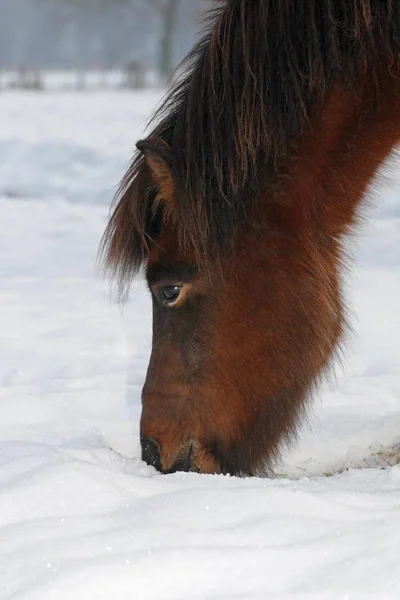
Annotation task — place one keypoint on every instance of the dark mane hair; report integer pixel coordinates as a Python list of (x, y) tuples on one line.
[(249, 91)]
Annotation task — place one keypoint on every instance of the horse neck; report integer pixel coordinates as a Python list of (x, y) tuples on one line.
[(338, 158)]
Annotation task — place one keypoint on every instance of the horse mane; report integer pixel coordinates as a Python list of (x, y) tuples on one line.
[(249, 91)]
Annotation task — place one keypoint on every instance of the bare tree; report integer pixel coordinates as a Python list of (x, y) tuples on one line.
[(168, 11), (163, 13)]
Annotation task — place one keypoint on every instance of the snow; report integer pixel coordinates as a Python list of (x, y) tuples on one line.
[(80, 515)]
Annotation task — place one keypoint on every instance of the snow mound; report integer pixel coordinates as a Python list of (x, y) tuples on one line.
[(80, 515)]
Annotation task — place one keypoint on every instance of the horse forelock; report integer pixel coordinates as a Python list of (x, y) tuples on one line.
[(250, 89)]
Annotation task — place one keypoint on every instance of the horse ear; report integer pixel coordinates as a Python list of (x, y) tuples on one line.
[(158, 156)]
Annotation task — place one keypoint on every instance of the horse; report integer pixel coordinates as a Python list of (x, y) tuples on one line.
[(237, 207)]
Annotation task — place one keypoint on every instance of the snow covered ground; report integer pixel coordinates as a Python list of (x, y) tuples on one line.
[(80, 515)]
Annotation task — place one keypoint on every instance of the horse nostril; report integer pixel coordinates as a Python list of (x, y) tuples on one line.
[(151, 453)]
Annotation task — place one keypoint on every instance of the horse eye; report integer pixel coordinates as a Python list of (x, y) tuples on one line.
[(170, 294)]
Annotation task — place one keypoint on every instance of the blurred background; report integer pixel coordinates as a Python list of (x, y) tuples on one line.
[(79, 80), (86, 44)]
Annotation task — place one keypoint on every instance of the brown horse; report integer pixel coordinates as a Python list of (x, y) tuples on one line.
[(237, 205)]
